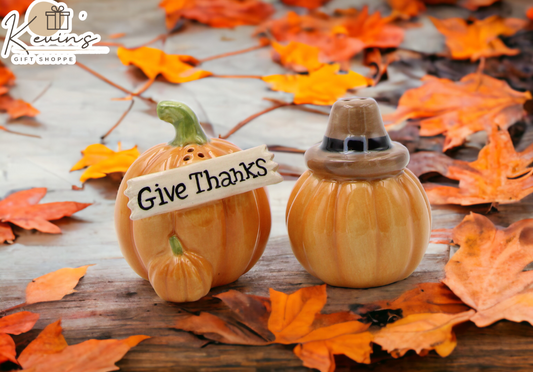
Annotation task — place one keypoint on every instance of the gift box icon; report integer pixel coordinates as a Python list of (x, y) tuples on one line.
[(56, 17)]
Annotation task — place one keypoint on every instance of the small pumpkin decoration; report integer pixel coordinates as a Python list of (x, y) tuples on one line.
[(185, 253), (358, 217)]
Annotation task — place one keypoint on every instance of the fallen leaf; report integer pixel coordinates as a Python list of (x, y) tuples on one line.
[(247, 326), (487, 270), (8, 350), (529, 13), (499, 175), (175, 68), (101, 161), (321, 87), (468, 4), (55, 285), (378, 63), (50, 352), (7, 6), (297, 56), (320, 354), (480, 38), (18, 323), (21, 209), (309, 4), (339, 37), (459, 109), (217, 13), (17, 108), (425, 298), (421, 333), (406, 9)]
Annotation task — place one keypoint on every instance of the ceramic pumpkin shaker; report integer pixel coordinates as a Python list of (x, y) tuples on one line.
[(358, 217), (185, 253)]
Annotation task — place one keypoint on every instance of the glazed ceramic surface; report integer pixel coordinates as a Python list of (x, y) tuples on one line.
[(358, 218), (185, 253)]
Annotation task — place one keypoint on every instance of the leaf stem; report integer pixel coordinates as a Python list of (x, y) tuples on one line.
[(118, 122), (250, 118), (18, 133), (229, 54), (14, 307)]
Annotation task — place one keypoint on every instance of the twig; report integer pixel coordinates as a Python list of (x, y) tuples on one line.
[(103, 78), (278, 148), (144, 88), (479, 72), (229, 54), (19, 133), (162, 37), (42, 93), (109, 43), (14, 307), (298, 107), (250, 118), (238, 76), (118, 122)]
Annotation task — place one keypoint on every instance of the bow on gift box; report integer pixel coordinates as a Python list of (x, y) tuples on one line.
[(54, 18)]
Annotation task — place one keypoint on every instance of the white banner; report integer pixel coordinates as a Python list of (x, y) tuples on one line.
[(201, 182)]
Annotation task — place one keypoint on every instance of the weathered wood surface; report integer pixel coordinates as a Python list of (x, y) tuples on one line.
[(112, 302)]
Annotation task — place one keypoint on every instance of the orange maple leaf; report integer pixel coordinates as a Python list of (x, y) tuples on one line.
[(217, 13), (457, 109), (102, 161), (425, 298), (499, 175), (297, 56), (55, 285), (487, 270), (50, 352), (339, 37), (406, 9), (309, 4), (421, 333), (529, 13), (14, 324), (175, 68), (321, 87), (480, 38), (21, 209), (15, 108), (8, 5)]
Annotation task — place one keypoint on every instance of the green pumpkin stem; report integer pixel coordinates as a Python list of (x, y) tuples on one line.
[(175, 245), (184, 120)]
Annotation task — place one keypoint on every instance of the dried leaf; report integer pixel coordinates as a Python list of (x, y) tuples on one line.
[(480, 38), (320, 354), (101, 161), (487, 270), (296, 318), (19, 5), (247, 327), (378, 63), (529, 13), (18, 323), (217, 13), (297, 56), (16, 108), (458, 109), (499, 175), (425, 298), (406, 9), (55, 285), (175, 68), (21, 209), (339, 37), (421, 333), (8, 350), (50, 352), (309, 4), (320, 87)]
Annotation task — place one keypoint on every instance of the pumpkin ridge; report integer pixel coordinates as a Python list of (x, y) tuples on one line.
[(411, 207)]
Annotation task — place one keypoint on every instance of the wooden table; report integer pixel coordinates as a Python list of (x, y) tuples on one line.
[(112, 302)]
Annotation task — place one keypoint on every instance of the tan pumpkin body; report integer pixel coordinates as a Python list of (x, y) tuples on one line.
[(359, 233), (221, 240)]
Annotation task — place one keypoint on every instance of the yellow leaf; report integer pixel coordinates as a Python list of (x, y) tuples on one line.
[(297, 56), (321, 87), (101, 161)]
